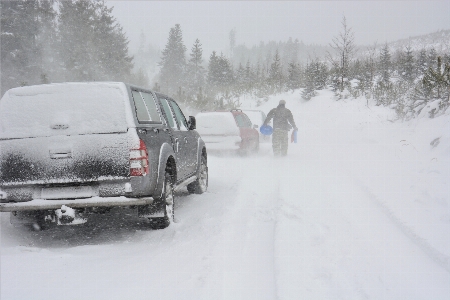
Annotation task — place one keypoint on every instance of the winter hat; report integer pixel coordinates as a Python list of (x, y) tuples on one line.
[(282, 102)]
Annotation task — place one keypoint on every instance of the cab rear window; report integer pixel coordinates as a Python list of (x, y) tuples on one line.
[(146, 110), (243, 121)]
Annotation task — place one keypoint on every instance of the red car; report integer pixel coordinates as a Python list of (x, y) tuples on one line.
[(228, 131)]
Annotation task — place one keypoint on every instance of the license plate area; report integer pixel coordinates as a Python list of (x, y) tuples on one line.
[(69, 192)]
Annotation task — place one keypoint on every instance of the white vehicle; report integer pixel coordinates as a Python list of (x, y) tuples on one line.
[(228, 131)]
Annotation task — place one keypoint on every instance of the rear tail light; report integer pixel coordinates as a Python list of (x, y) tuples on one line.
[(139, 160)]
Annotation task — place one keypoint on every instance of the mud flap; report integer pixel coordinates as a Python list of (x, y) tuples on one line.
[(154, 210)]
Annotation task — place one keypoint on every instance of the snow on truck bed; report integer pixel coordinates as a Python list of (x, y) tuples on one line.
[(71, 108)]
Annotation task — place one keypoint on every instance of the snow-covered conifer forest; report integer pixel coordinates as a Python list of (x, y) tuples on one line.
[(359, 208)]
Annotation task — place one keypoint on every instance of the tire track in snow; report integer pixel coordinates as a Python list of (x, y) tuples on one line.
[(439, 258), (278, 212), (241, 251)]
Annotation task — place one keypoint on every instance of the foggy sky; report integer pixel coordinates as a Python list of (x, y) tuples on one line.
[(254, 21)]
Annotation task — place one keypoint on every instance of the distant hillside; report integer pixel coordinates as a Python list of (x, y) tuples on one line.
[(264, 52), (439, 40)]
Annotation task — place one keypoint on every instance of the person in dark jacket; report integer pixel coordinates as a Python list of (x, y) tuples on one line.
[(283, 121)]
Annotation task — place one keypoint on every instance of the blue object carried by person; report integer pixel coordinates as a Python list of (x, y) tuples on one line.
[(266, 129), (294, 136)]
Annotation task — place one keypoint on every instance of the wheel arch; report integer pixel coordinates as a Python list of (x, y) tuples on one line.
[(167, 162)]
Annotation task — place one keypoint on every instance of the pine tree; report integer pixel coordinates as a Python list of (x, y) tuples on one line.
[(293, 80), (422, 63), (432, 57), (226, 77), (310, 84), (320, 72), (437, 80), (220, 73), (249, 76), (276, 73), (47, 40), (78, 41), (240, 79), (344, 48), (365, 77), (20, 53), (196, 71), (316, 74), (213, 69), (93, 45), (407, 68), (173, 61), (385, 65), (446, 59), (75, 26), (383, 90), (112, 51)]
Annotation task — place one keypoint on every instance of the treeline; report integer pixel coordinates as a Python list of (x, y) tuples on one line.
[(221, 84), (45, 41), (405, 80), (61, 40)]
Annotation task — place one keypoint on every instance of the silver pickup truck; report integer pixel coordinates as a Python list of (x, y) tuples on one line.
[(72, 149)]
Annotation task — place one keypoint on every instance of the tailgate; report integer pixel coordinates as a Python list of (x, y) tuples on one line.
[(64, 159)]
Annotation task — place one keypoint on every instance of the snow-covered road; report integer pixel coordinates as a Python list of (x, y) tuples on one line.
[(359, 209)]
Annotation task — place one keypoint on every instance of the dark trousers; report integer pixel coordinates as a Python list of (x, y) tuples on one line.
[(280, 142)]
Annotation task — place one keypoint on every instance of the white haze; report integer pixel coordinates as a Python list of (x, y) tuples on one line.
[(313, 22)]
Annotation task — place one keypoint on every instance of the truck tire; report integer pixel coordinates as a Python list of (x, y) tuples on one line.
[(200, 185), (168, 203)]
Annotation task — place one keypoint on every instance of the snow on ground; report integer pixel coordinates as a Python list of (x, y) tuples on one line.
[(359, 209)]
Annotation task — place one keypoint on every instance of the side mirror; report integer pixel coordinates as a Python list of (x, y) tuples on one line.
[(192, 123)]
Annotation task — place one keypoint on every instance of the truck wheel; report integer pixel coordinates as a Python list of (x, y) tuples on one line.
[(167, 202), (200, 185)]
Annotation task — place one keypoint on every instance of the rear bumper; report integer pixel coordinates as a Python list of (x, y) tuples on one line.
[(40, 204), (132, 187)]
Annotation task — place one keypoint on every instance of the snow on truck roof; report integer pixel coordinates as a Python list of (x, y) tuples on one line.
[(65, 108)]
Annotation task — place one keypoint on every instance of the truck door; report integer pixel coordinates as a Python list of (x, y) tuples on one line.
[(178, 139), (189, 139)]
